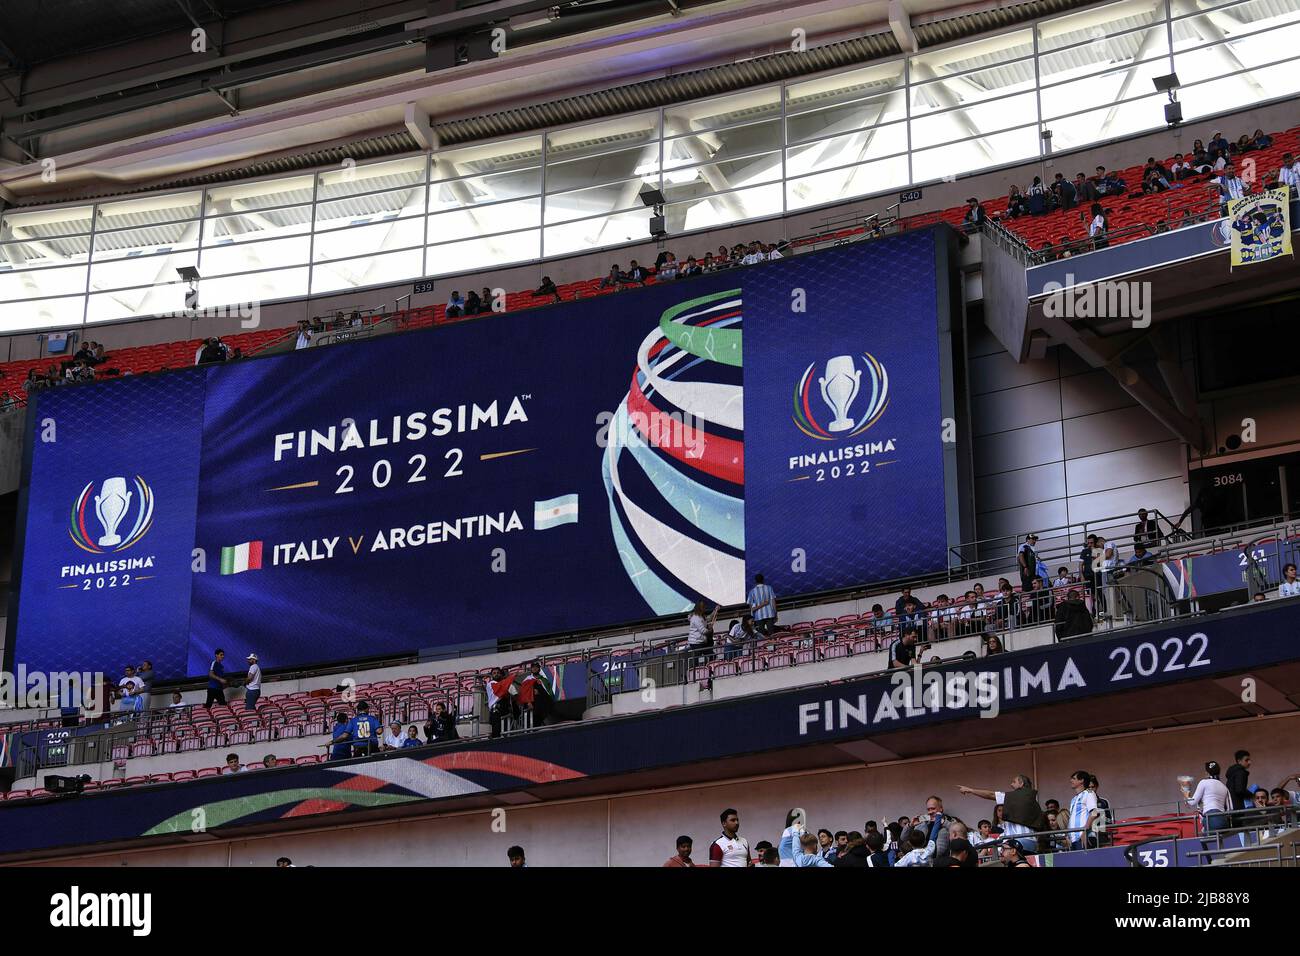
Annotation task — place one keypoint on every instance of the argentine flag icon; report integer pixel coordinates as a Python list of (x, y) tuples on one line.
[(554, 512)]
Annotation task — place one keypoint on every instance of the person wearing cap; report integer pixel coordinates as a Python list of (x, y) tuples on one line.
[(1027, 559), (1011, 854), (683, 855), (252, 683)]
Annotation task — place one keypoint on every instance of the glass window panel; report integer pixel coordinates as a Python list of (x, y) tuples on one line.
[(602, 152), (35, 283), (380, 237), (481, 159), (1231, 17), (224, 230), (149, 210), (860, 180), (1229, 93), (485, 189), (1095, 23), (1150, 46), (971, 88), (367, 271), (836, 104), (581, 203), (41, 314), (44, 223), (484, 220), (474, 254), (372, 177), (45, 253), (739, 141), (956, 158), (125, 243), (1101, 90), (140, 271), (842, 150), (680, 184), (1116, 119), (642, 161), (374, 207), (631, 226), (981, 119), (253, 287), (263, 194), (987, 52), (250, 256), (136, 303), (725, 208), (1229, 57), (722, 111)]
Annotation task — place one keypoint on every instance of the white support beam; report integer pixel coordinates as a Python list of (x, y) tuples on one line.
[(900, 22), (420, 125)]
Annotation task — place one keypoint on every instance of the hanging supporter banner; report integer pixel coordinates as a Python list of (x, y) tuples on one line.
[(1261, 227)]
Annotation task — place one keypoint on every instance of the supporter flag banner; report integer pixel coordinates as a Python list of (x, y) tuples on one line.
[(1261, 226), (594, 463)]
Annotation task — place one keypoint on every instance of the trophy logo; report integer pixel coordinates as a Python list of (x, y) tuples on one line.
[(840, 387), (114, 505), (845, 381), (111, 504)]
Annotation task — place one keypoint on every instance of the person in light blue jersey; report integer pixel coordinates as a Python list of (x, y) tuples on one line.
[(762, 605)]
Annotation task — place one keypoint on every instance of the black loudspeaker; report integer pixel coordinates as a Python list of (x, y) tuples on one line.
[(1173, 113), (658, 227), (443, 53), (65, 785)]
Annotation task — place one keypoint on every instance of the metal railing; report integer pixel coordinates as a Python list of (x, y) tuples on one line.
[(673, 661)]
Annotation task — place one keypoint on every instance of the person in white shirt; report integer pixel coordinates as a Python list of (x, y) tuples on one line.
[(1011, 829), (920, 850), (304, 335), (1097, 228), (1083, 811), (177, 701), (943, 618), (773, 253), (252, 683), (730, 849), (753, 256), (1290, 587), (699, 635), (740, 634), (1211, 797), (1289, 174), (393, 736), (1230, 186), (232, 764)]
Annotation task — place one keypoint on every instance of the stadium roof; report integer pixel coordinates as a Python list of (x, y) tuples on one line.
[(299, 95)]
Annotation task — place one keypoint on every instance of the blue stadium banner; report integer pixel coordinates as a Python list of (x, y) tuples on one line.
[(584, 465)]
